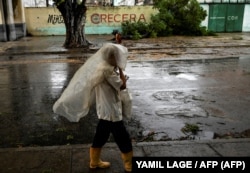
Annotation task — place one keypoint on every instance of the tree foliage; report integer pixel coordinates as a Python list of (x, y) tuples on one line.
[(175, 17), (135, 30), (180, 17), (74, 16)]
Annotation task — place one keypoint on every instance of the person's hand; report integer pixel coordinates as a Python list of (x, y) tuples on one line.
[(123, 78), (126, 77)]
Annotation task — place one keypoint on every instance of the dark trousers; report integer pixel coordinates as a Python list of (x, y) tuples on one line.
[(120, 134)]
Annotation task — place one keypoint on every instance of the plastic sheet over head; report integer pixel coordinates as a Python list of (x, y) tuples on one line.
[(77, 98), (120, 52)]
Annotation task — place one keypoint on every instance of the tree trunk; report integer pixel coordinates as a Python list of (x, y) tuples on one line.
[(74, 16)]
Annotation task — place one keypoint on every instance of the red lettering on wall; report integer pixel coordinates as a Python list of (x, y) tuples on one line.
[(142, 17), (124, 17), (117, 18), (95, 18), (110, 18), (103, 17), (132, 17)]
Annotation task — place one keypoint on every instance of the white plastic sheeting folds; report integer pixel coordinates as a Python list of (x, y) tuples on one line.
[(76, 99)]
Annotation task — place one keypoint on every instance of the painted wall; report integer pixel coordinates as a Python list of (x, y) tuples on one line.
[(246, 21), (206, 8), (19, 19), (1, 15), (12, 20), (103, 20), (3, 34), (100, 20)]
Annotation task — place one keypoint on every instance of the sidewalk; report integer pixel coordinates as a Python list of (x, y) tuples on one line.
[(75, 158), (235, 44)]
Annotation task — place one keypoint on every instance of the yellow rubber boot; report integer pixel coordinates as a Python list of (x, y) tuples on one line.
[(95, 161), (127, 161)]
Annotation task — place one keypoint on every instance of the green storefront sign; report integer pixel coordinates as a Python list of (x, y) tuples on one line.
[(226, 17)]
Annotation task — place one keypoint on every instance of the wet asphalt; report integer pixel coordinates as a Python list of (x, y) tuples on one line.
[(168, 94), (211, 93)]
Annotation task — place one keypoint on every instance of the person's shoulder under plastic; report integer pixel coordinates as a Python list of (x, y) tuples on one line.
[(76, 99)]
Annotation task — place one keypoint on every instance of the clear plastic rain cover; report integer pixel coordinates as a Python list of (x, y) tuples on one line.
[(77, 98)]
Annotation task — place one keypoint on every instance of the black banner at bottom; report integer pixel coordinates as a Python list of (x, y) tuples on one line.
[(194, 164)]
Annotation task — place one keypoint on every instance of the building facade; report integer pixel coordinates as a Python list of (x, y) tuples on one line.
[(12, 20)]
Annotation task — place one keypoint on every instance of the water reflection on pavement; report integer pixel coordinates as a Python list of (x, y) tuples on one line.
[(214, 94)]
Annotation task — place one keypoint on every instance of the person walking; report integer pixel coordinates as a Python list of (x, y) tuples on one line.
[(102, 75), (109, 111)]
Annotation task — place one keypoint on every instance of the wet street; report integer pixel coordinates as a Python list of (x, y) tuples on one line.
[(212, 94)]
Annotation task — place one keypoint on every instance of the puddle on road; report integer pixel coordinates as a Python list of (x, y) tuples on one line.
[(186, 111), (187, 76), (176, 105), (179, 104)]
